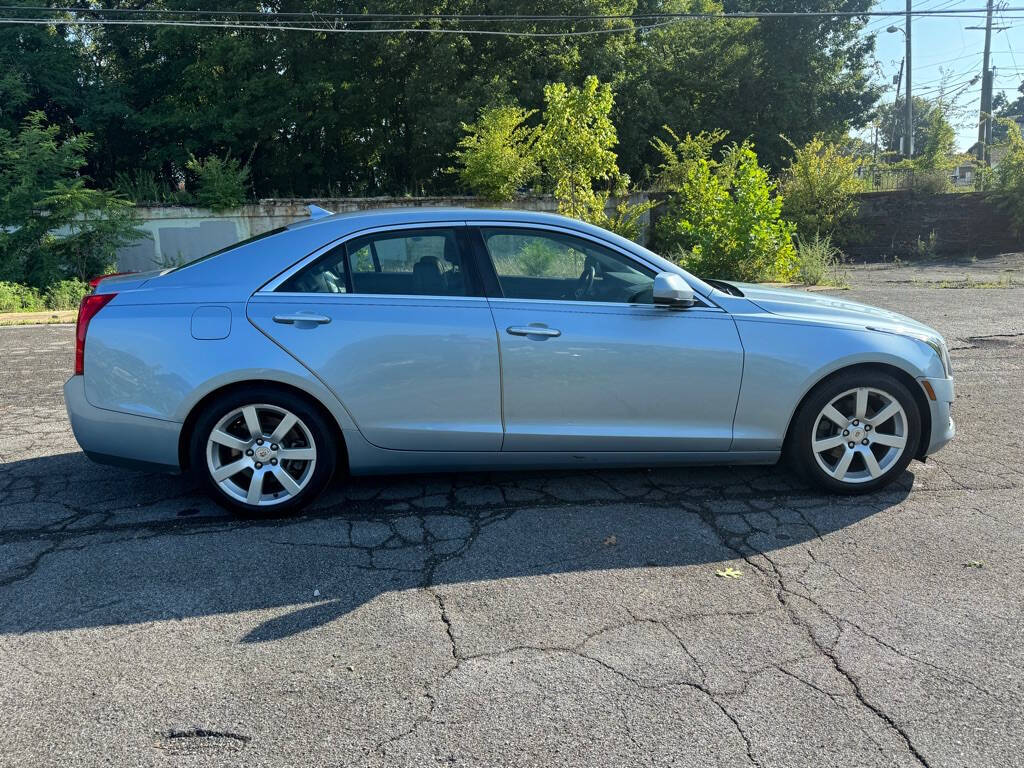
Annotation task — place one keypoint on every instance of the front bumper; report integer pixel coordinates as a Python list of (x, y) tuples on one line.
[(943, 426), (122, 439)]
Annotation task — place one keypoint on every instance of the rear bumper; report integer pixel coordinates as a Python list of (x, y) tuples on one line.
[(943, 426), (122, 439)]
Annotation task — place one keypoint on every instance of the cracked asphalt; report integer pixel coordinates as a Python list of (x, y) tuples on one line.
[(541, 619)]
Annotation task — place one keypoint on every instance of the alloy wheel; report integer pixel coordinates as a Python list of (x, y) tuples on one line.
[(859, 435), (261, 454)]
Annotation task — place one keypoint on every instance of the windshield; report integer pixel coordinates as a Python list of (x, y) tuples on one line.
[(231, 247)]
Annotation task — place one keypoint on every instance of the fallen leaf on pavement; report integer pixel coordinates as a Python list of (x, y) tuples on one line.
[(729, 573)]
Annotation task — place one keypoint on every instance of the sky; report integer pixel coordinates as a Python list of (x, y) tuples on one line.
[(942, 47)]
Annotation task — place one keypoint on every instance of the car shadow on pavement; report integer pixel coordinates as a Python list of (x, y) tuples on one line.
[(84, 546)]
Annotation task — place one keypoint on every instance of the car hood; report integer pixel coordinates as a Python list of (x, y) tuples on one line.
[(821, 307)]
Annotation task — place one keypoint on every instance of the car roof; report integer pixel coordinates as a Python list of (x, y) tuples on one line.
[(373, 217)]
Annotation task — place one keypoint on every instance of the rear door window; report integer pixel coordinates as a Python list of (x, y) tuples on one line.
[(414, 262)]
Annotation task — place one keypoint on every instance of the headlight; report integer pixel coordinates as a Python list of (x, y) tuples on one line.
[(939, 346), (936, 342)]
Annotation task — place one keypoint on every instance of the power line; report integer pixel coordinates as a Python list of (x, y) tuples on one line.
[(329, 30), (941, 12)]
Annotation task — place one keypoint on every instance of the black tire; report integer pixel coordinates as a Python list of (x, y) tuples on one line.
[(316, 429), (805, 429)]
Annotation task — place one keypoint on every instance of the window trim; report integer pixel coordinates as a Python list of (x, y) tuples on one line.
[(463, 237), (492, 282)]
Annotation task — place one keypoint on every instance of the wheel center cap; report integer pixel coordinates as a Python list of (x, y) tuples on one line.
[(858, 434), (262, 452)]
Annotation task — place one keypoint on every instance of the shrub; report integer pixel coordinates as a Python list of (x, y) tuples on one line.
[(15, 297), (497, 156), (818, 262), (52, 225), (931, 181), (65, 294), (220, 182), (723, 216), (818, 188), (1008, 178), (145, 188)]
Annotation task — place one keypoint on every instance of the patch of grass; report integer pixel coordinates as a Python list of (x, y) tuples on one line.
[(968, 282), (818, 262)]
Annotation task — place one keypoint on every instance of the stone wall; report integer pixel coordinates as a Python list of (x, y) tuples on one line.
[(893, 223)]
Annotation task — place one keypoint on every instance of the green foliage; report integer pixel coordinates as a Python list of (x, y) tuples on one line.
[(497, 156), (144, 187), (65, 294), (818, 262), (52, 225), (818, 188), (1008, 182), (937, 149), (723, 217), (934, 140), (220, 182), (61, 295), (576, 147), (15, 297), (380, 114)]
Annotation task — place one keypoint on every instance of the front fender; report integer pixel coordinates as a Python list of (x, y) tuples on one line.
[(784, 360)]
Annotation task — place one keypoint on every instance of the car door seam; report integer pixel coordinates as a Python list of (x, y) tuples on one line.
[(739, 389), (294, 357)]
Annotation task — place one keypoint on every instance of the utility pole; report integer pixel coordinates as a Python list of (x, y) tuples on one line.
[(896, 101), (985, 119), (909, 106)]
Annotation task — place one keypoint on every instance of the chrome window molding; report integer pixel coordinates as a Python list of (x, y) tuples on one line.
[(502, 224), (271, 285)]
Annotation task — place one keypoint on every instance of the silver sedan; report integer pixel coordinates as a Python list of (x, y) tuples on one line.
[(444, 339)]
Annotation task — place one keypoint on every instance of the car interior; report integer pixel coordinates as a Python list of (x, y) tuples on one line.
[(528, 264)]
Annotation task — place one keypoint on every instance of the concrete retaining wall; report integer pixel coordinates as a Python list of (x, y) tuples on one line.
[(890, 223), (179, 234)]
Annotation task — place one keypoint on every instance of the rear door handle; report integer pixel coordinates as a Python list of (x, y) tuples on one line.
[(301, 317), (532, 330)]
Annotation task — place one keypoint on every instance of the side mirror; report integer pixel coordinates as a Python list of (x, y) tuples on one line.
[(670, 290)]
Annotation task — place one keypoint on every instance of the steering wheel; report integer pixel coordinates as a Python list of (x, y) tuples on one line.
[(585, 282)]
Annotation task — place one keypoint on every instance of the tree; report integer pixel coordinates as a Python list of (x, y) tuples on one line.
[(805, 75), (1008, 186), (931, 127), (52, 225), (498, 156), (575, 147)]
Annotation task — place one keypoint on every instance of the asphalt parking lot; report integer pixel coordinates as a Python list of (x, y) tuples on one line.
[(527, 619)]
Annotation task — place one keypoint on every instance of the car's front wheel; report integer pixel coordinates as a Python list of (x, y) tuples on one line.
[(855, 432), (261, 451)]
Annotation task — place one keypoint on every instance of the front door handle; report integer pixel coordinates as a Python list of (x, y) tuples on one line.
[(301, 317), (532, 330)]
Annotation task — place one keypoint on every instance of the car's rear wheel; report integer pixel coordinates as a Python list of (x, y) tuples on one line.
[(263, 452), (855, 432)]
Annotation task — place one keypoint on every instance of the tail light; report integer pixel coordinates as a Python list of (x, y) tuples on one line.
[(91, 304)]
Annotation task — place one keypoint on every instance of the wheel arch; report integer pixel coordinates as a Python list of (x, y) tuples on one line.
[(896, 372), (185, 437)]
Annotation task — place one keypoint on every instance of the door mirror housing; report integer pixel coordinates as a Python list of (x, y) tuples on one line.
[(670, 290)]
